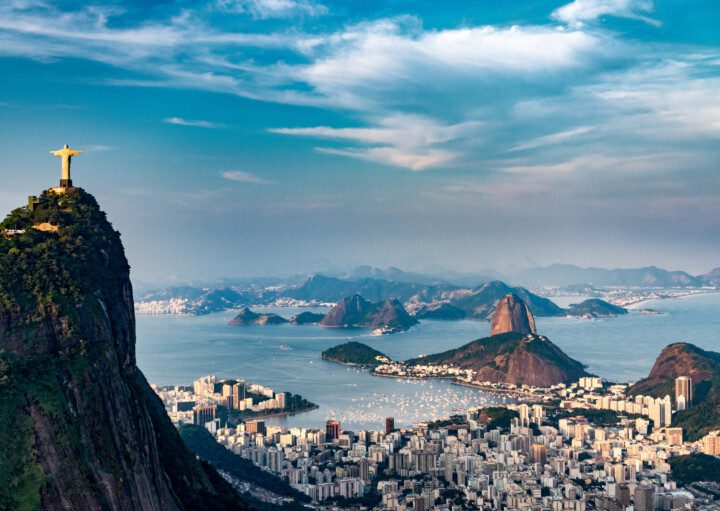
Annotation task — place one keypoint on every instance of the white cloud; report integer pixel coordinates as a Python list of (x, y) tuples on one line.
[(265, 9), (193, 123), (408, 141), (554, 138), (97, 148), (243, 177), (579, 11)]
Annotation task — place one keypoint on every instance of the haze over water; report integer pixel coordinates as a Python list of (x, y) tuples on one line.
[(174, 350)]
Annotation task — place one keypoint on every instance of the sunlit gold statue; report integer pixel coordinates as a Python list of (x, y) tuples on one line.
[(66, 154)]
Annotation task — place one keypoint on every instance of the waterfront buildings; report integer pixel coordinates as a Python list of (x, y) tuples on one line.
[(389, 425), (546, 457), (332, 430)]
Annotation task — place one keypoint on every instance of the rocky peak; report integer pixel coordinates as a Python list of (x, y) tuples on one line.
[(355, 311), (349, 311), (512, 315), (82, 429)]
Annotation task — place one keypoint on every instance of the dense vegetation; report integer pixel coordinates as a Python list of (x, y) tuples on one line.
[(42, 270), (497, 417), (596, 308), (67, 369), (692, 468), (353, 353), (699, 420), (603, 418), (202, 443)]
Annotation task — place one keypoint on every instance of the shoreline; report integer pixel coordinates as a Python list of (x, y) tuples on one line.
[(632, 305), (349, 364), (454, 381), (281, 414)]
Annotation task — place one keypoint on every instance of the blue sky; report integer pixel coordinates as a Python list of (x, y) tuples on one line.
[(247, 137)]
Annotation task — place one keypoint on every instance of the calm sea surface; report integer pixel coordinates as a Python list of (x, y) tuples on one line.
[(178, 349)]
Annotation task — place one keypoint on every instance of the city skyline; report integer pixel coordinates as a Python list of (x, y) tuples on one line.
[(252, 137)]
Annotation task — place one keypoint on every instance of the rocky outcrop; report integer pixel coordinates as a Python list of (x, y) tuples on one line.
[(512, 315), (355, 311), (513, 358), (82, 429), (679, 359), (306, 318), (683, 359), (247, 317)]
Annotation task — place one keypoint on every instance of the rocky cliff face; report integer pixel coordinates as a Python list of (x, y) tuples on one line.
[(355, 311), (82, 429), (512, 358), (512, 315)]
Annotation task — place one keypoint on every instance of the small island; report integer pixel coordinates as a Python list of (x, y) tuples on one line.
[(247, 317), (355, 354), (306, 318), (595, 308)]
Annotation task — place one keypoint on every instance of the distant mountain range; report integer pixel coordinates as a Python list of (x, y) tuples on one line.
[(332, 289), (472, 296), (569, 274)]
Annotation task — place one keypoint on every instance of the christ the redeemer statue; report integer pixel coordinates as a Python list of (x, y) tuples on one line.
[(66, 154)]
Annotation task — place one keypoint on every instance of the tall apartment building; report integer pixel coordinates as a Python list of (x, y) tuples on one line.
[(332, 430), (203, 414), (683, 392)]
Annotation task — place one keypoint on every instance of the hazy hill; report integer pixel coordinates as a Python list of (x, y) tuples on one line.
[(712, 278), (392, 274), (306, 318), (480, 302), (567, 274), (443, 311), (331, 289), (595, 308)]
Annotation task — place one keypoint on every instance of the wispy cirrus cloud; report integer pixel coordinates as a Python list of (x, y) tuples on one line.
[(417, 96), (244, 177), (554, 138), (408, 141), (267, 9), (578, 12), (194, 123)]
